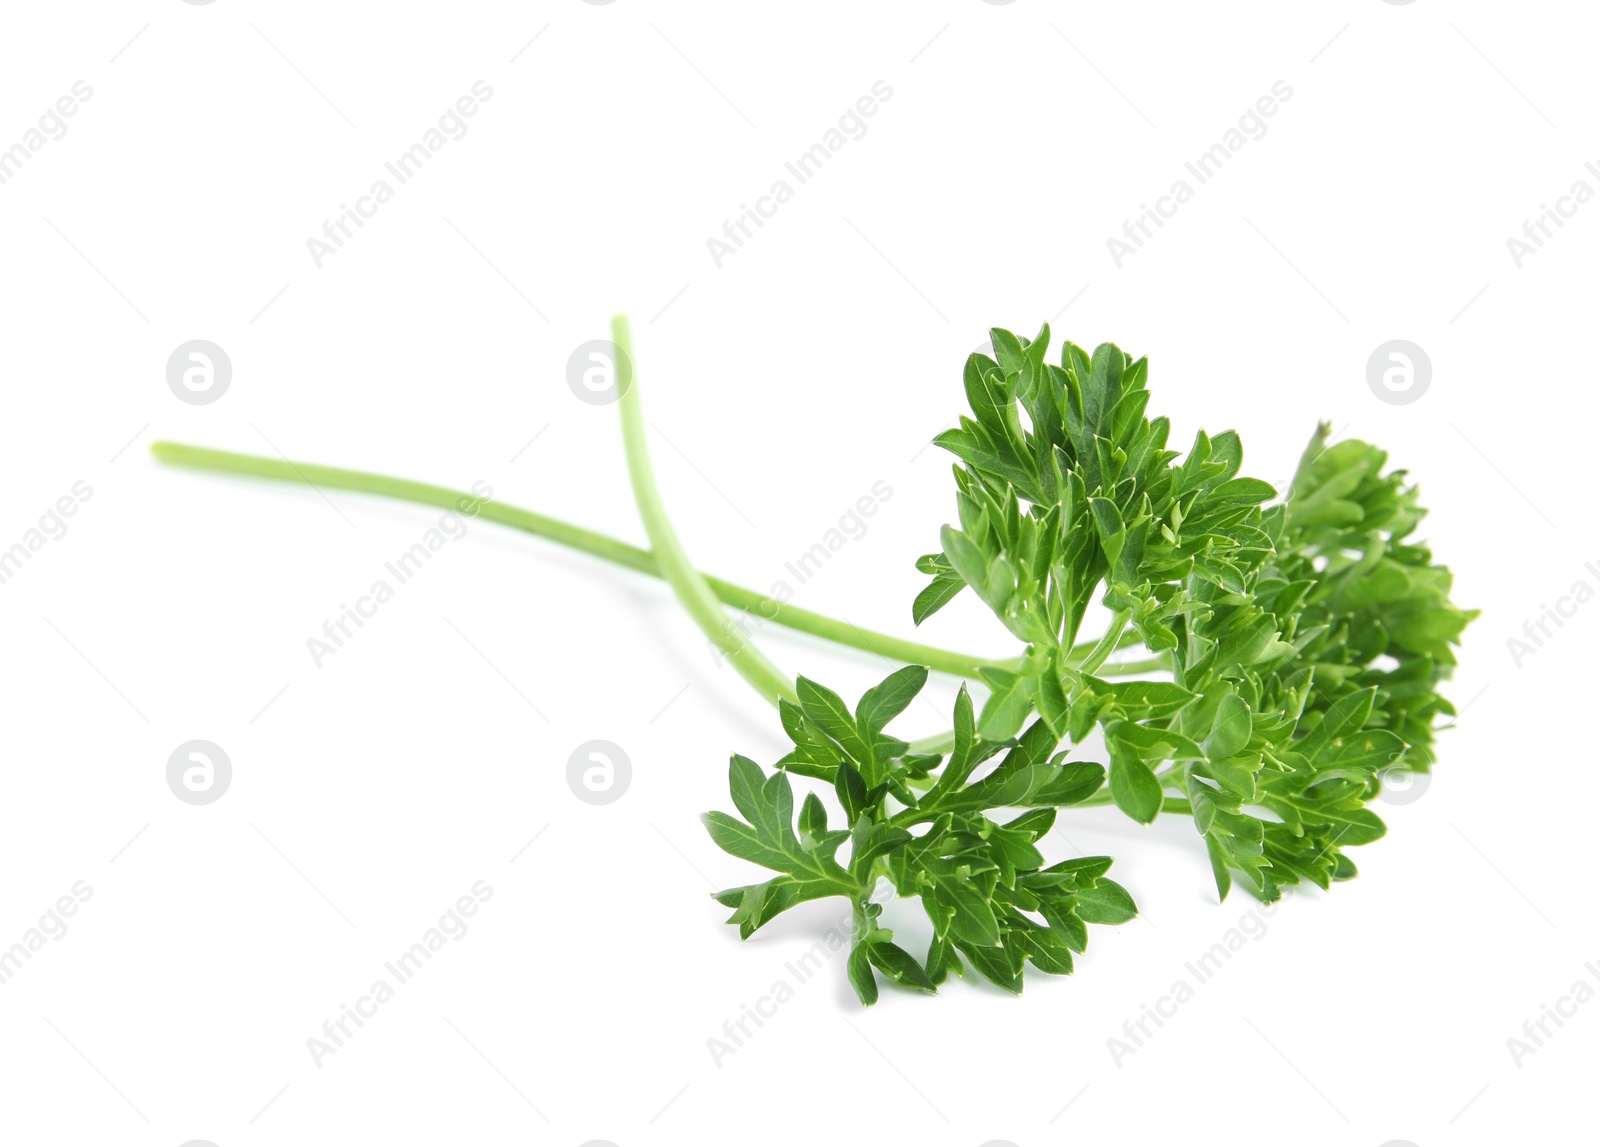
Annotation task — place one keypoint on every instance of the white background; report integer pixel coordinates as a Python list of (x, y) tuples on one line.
[(370, 793)]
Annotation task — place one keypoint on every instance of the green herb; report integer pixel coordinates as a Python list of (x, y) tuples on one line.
[(1301, 643)]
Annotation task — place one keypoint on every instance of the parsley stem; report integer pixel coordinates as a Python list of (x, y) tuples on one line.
[(1129, 668), (759, 605), (940, 743), (1107, 644), (687, 582), (1168, 803)]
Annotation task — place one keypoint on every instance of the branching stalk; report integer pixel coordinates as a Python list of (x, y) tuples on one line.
[(759, 605)]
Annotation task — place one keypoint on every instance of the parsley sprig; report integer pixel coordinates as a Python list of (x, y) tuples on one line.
[(1286, 653)]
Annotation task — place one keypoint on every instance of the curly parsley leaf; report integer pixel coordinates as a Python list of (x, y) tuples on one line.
[(926, 823), (1305, 639)]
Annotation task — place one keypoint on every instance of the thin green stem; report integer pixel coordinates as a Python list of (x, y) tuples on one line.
[(1107, 644), (687, 582), (762, 607), (940, 743), (1080, 651), (1129, 668), (1103, 797)]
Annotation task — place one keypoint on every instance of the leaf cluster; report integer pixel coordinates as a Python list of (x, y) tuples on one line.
[(926, 823), (1305, 638)]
